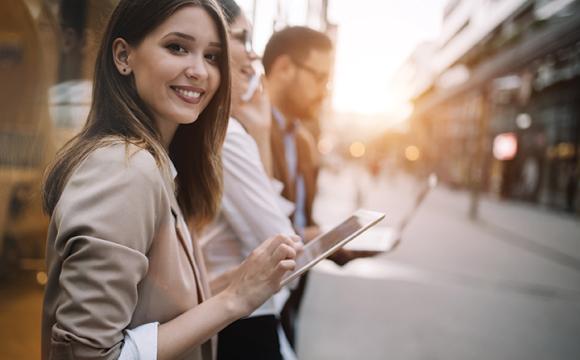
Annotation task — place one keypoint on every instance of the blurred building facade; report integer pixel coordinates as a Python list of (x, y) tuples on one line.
[(497, 104), (269, 16), (47, 51)]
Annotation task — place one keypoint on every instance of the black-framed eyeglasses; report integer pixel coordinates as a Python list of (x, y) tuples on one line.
[(243, 36), (318, 76)]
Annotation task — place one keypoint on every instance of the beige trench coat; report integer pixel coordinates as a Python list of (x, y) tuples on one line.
[(119, 255)]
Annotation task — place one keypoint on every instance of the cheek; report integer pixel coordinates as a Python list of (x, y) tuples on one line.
[(151, 83), (314, 93), (301, 93), (214, 80), (238, 55), (141, 85)]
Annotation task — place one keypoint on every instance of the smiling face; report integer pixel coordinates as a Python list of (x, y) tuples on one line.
[(242, 55), (176, 68)]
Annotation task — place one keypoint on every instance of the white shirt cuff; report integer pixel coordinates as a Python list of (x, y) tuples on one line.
[(140, 343)]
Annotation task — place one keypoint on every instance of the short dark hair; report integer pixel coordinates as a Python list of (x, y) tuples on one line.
[(230, 9), (296, 42)]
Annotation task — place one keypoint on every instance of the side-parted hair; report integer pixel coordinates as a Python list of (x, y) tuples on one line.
[(230, 9), (118, 113), (296, 42)]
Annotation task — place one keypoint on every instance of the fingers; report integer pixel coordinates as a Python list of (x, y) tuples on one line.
[(279, 254), (272, 243), (286, 265), (283, 252), (297, 243), (281, 269), (295, 238)]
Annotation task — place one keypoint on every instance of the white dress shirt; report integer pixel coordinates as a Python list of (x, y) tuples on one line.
[(252, 211), (291, 155)]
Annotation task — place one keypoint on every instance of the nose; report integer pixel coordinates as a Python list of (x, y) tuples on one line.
[(252, 55), (197, 69)]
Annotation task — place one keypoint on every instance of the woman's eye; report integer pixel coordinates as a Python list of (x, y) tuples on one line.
[(214, 58), (176, 48), (240, 37)]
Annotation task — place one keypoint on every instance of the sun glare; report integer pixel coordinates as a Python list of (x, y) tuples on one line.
[(374, 39)]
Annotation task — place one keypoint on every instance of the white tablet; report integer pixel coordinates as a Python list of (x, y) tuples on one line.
[(326, 244)]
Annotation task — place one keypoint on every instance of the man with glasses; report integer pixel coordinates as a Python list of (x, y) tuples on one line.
[(297, 61)]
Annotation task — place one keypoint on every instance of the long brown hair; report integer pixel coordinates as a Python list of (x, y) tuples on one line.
[(118, 111)]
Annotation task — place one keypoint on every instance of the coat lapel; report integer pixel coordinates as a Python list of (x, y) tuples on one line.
[(209, 348), (279, 160)]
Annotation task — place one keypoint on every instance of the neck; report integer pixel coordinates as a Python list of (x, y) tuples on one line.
[(279, 102), (167, 133)]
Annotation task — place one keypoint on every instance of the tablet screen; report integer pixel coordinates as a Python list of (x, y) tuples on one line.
[(327, 243)]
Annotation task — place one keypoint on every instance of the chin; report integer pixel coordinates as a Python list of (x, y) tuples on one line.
[(312, 112), (186, 119), (312, 115)]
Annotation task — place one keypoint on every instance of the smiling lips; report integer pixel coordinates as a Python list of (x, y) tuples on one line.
[(189, 94)]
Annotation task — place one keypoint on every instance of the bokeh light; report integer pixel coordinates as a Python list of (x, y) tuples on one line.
[(357, 149), (412, 153)]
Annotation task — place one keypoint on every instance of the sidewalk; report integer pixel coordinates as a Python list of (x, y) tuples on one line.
[(504, 287)]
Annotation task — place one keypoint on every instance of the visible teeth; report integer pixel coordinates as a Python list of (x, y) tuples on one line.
[(188, 93)]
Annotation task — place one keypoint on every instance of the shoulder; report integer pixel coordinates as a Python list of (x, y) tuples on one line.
[(125, 154), (121, 156), (236, 131), (114, 176), (118, 169), (238, 140), (235, 127)]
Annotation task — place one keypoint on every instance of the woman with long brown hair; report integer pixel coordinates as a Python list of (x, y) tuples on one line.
[(126, 279)]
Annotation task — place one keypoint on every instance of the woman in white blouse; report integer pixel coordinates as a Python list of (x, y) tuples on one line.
[(252, 209)]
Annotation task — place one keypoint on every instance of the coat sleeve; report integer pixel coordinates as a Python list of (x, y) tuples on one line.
[(107, 217)]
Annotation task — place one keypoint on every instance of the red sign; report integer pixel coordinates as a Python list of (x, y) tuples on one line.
[(505, 146)]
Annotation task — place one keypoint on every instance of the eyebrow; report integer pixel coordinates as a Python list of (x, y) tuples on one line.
[(189, 38)]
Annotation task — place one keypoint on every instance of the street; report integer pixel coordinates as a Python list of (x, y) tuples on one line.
[(504, 287)]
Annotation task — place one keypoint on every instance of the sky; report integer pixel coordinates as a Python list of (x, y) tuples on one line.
[(374, 39)]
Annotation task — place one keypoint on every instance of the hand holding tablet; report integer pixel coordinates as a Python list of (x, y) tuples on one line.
[(330, 241)]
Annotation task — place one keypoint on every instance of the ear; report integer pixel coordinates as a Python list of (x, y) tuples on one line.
[(284, 67), (121, 53)]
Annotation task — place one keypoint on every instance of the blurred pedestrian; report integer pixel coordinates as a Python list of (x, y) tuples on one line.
[(125, 278)]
